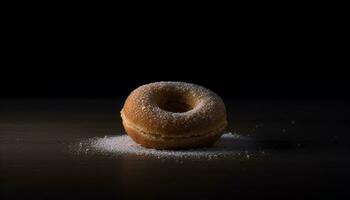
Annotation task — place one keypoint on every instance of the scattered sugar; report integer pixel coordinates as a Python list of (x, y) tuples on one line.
[(230, 145)]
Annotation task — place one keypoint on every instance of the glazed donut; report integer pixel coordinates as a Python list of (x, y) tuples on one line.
[(174, 115)]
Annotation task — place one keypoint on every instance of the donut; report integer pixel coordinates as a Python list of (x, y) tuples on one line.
[(174, 115)]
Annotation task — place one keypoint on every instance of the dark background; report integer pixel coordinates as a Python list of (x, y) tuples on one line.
[(280, 55)]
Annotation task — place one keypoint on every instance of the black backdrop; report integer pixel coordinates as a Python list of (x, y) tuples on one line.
[(232, 80), (247, 56)]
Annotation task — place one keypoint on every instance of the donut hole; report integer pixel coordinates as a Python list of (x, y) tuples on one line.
[(175, 103), (175, 106)]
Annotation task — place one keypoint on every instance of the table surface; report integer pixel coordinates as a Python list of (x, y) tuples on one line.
[(306, 145)]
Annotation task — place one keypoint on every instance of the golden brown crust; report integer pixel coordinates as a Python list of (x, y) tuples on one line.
[(147, 121), (182, 143)]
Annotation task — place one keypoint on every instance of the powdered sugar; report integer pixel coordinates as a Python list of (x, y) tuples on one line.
[(229, 146)]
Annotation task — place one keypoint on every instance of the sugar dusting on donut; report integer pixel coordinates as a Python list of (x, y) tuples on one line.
[(209, 108), (194, 90)]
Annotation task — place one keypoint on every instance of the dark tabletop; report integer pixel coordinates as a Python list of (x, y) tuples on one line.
[(306, 145)]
